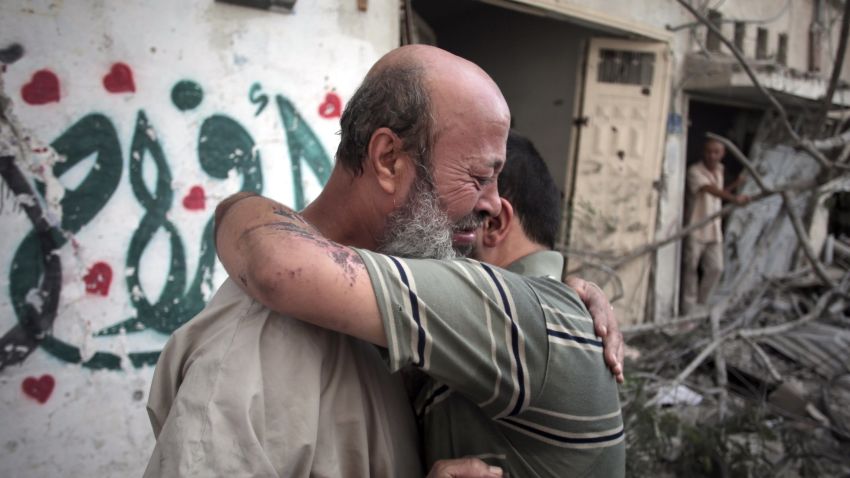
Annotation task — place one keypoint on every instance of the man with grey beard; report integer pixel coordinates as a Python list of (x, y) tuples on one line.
[(243, 391)]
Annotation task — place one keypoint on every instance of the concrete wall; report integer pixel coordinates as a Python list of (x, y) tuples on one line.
[(128, 121)]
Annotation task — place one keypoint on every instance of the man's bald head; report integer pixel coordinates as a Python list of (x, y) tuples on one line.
[(417, 91), (449, 121)]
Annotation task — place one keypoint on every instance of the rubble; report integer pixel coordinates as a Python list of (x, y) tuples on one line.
[(783, 409)]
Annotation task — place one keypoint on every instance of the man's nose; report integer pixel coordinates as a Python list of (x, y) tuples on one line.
[(489, 201)]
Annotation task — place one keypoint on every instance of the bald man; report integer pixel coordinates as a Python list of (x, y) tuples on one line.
[(242, 390)]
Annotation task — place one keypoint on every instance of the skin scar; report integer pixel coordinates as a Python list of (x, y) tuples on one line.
[(284, 211), (349, 261)]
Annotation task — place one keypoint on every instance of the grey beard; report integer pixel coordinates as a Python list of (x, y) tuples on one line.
[(419, 229)]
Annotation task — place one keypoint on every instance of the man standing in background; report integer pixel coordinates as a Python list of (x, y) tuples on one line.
[(705, 245)]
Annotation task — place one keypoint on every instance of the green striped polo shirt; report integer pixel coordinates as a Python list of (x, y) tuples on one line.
[(517, 375)]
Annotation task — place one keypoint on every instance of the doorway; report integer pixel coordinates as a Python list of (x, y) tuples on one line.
[(737, 123)]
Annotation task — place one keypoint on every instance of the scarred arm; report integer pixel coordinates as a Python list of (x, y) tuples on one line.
[(283, 262)]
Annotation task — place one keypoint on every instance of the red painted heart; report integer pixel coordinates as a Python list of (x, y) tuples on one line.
[(39, 388), (98, 279), (43, 88), (196, 200), (119, 79), (331, 107)]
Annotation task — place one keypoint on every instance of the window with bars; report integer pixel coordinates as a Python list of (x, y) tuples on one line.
[(625, 67)]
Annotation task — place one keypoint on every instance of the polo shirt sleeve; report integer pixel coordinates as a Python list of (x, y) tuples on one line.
[(458, 322)]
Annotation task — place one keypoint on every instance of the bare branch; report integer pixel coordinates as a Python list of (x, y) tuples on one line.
[(692, 366), (804, 240), (833, 142), (825, 301), (845, 154), (762, 355), (640, 251)]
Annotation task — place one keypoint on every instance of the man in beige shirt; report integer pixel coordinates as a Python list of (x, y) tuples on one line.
[(704, 246)]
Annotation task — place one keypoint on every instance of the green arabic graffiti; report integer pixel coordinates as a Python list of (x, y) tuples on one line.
[(223, 146), (305, 147)]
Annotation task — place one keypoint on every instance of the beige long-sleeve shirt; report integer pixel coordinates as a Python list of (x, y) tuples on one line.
[(703, 204), (242, 391)]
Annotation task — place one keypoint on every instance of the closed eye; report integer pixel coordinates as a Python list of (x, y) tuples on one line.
[(485, 180)]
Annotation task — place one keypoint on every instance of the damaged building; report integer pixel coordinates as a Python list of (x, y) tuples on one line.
[(619, 104)]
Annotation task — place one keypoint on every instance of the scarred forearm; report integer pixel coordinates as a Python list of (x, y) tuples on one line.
[(282, 261)]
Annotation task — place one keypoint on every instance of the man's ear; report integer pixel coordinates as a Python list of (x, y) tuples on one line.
[(387, 158), (496, 227)]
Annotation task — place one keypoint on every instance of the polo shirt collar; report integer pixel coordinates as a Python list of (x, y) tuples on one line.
[(537, 264)]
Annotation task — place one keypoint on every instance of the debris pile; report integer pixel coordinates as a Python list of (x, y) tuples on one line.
[(757, 386)]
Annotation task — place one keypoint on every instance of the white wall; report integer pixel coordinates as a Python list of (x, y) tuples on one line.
[(257, 91)]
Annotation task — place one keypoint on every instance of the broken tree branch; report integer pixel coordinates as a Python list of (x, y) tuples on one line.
[(845, 154), (692, 366), (746, 334), (742, 158), (822, 304), (808, 250), (762, 355), (833, 142), (645, 249)]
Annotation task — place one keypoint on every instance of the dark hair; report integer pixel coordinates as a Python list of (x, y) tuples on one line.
[(526, 183), (395, 97)]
